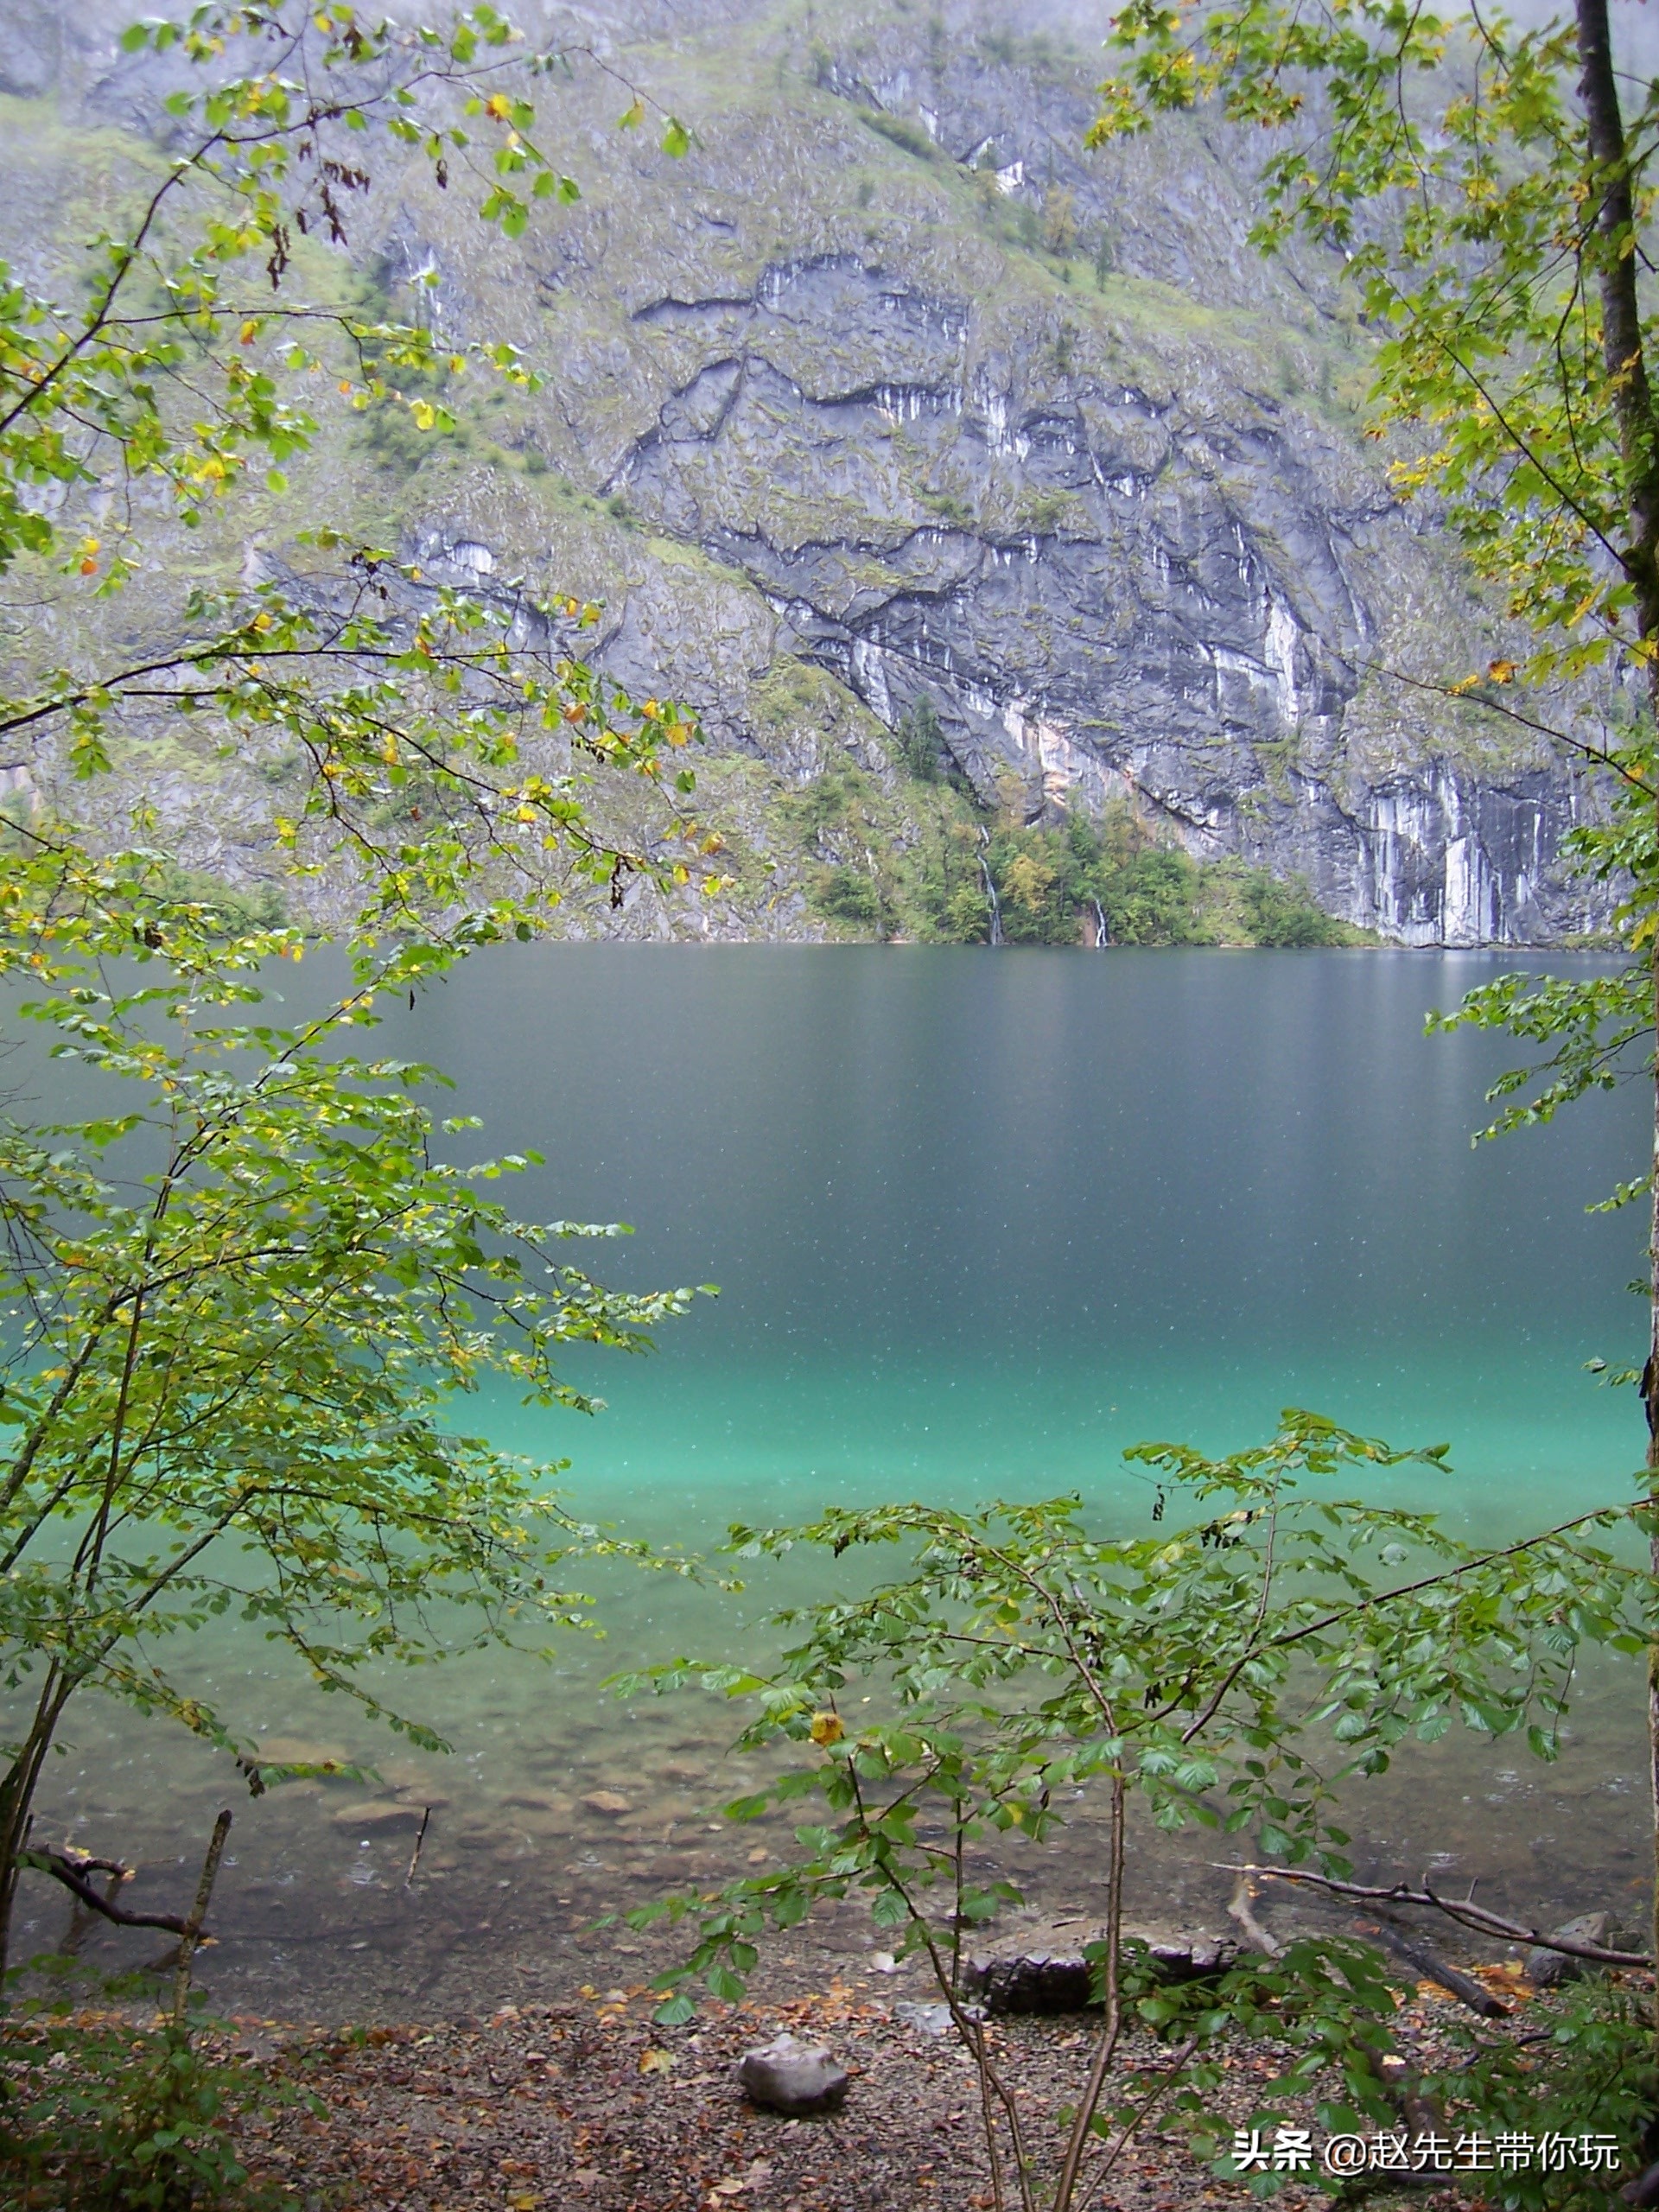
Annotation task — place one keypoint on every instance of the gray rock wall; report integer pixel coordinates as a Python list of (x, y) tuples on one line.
[(1104, 591)]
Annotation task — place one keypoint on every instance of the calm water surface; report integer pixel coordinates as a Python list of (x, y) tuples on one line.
[(978, 1221)]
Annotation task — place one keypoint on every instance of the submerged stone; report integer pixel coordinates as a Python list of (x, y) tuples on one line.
[(609, 1804)]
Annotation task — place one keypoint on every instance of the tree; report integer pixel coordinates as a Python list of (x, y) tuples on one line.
[(1490, 190), (239, 1293), (921, 739)]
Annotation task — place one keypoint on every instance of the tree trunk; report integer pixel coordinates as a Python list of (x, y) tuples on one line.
[(16, 1798), (1616, 266)]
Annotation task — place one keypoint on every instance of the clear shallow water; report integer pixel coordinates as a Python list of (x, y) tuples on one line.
[(978, 1221)]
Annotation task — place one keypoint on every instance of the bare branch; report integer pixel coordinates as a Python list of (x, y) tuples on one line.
[(1465, 1911), (71, 1871)]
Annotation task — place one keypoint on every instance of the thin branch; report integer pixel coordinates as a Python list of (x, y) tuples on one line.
[(1597, 755), (1148, 2105)]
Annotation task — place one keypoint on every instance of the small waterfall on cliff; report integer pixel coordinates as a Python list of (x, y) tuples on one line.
[(990, 886), (1103, 935)]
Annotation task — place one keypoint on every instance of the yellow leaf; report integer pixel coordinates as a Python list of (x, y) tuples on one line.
[(655, 2061), (498, 105), (1501, 671), (248, 332), (827, 1728)]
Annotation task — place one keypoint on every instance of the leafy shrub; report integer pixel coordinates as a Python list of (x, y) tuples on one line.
[(1019, 1660), (846, 894), (109, 2117)]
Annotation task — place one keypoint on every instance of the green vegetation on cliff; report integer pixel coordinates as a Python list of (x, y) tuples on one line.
[(964, 877)]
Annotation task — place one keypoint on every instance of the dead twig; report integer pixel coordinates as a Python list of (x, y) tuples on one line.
[(415, 1855), (190, 1934), (1432, 1968), (82, 1919)]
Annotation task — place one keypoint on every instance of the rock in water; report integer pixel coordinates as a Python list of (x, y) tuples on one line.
[(1549, 1969), (609, 1804), (378, 1817), (788, 2077)]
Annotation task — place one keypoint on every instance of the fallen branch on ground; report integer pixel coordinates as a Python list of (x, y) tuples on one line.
[(1464, 1911), (1431, 1967)]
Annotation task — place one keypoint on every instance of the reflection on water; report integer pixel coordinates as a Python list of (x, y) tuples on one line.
[(978, 1221)]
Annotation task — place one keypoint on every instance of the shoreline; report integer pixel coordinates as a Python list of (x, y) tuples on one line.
[(587, 2103)]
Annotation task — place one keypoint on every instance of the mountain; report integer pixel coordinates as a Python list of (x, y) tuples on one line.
[(975, 489)]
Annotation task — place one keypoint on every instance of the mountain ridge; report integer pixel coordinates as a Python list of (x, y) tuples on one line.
[(889, 402)]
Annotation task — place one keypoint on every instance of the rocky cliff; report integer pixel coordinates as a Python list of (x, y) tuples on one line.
[(889, 400)]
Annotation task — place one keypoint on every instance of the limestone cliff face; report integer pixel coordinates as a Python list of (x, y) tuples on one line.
[(1173, 605), (888, 390)]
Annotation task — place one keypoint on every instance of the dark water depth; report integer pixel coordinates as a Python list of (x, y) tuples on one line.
[(978, 1221)]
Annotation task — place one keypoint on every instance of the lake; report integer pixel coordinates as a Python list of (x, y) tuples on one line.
[(978, 1221)]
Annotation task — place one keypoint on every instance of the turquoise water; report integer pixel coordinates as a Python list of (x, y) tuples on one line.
[(979, 1220)]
